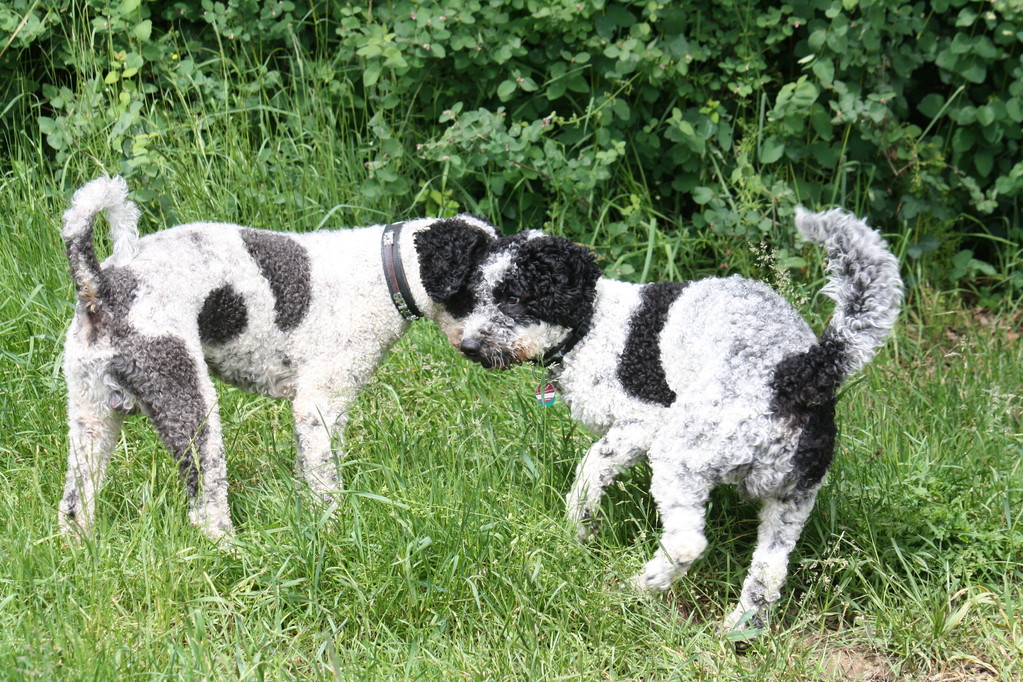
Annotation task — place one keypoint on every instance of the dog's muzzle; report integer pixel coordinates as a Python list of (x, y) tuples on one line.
[(488, 357), (473, 349)]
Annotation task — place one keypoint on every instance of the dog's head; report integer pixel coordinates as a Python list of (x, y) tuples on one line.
[(449, 252), (529, 295)]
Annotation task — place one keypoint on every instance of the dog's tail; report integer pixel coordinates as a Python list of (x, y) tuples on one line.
[(865, 284), (111, 196)]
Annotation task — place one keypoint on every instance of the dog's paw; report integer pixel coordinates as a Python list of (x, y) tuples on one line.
[(657, 576), (220, 534), (327, 501), (584, 532), (586, 525), (213, 525), (744, 626), (229, 544), (73, 529)]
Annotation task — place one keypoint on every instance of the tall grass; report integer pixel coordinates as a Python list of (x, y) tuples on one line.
[(449, 556)]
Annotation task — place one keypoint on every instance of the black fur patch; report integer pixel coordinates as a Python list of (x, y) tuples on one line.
[(285, 264), (161, 374), (804, 386), (117, 290), (816, 447), (807, 379), (223, 316), (449, 252), (72, 505), (640, 368), (81, 254), (551, 280)]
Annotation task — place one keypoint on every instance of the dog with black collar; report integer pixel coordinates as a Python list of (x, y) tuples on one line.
[(302, 316)]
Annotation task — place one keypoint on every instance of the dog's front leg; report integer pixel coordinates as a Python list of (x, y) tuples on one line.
[(681, 496), (319, 432), (620, 448)]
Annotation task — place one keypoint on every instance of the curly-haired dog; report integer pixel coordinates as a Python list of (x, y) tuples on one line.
[(714, 381), (307, 317)]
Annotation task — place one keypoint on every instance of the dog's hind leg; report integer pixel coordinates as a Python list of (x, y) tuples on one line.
[(681, 498), (92, 434), (781, 523), (169, 379), (619, 449)]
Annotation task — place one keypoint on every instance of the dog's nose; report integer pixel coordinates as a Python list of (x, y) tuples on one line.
[(471, 348)]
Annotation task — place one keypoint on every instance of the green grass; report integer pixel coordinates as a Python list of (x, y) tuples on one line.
[(449, 557)]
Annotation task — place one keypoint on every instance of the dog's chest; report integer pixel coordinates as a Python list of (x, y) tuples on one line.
[(589, 378)]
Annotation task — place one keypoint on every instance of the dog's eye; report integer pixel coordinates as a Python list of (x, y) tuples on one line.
[(514, 305)]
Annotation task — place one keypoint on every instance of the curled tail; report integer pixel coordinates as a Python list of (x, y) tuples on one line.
[(103, 194), (865, 284)]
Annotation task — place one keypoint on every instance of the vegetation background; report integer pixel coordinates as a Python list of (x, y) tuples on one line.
[(675, 138)]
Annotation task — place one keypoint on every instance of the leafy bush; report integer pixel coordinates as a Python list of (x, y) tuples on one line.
[(612, 120)]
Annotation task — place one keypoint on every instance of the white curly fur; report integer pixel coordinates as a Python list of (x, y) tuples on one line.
[(305, 317), (716, 381)]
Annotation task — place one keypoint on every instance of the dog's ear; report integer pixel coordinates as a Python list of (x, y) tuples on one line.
[(561, 275), (449, 252)]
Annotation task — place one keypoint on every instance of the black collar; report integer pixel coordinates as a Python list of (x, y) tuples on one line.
[(394, 273), (555, 355)]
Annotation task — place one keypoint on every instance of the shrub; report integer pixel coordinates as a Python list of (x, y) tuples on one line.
[(610, 119)]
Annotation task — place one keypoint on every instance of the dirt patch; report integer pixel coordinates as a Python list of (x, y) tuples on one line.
[(865, 663), (962, 672), (861, 663)]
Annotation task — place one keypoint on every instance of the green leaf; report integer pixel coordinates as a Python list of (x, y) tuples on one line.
[(112, 77), (984, 162), (964, 139), (985, 115), (128, 7), (143, 30), (771, 150), (394, 59), (931, 104), (966, 17), (975, 72), (821, 120), (961, 264), (792, 263), (505, 90), (824, 69), (817, 39), (371, 74), (985, 49), (1014, 108), (703, 195), (621, 109)]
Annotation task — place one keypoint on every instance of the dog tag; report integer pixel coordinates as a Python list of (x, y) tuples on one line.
[(545, 394)]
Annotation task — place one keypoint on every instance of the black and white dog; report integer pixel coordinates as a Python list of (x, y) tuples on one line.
[(306, 317), (714, 381)]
